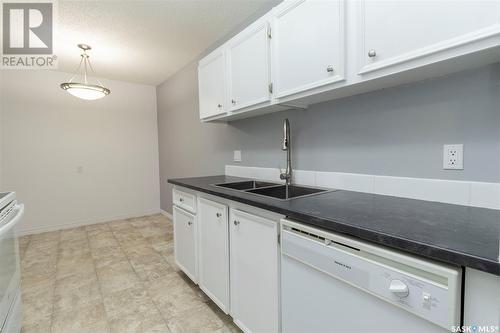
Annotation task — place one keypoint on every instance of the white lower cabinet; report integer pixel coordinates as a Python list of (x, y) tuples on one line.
[(214, 251), (185, 245), (233, 255), (254, 272)]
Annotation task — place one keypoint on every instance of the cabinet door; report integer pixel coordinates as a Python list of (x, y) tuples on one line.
[(481, 305), (211, 85), (308, 42), (400, 35), (249, 68), (185, 247), (214, 251), (254, 272)]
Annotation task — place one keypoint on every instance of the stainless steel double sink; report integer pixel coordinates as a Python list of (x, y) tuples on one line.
[(272, 190)]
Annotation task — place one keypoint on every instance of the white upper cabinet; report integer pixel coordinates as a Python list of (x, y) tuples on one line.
[(400, 35), (308, 45), (249, 68), (308, 51), (211, 84), (213, 263)]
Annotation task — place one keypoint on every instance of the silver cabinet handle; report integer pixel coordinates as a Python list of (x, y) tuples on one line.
[(218, 214), (181, 200), (236, 222), (219, 106), (189, 222), (233, 101), (372, 53), (329, 69)]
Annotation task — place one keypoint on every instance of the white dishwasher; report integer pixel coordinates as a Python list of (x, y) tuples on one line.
[(333, 283)]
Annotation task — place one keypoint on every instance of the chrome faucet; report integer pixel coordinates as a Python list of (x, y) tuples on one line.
[(286, 146)]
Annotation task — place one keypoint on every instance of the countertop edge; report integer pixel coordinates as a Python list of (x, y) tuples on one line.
[(406, 245)]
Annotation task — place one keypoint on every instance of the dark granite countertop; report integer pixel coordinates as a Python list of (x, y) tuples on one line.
[(458, 235)]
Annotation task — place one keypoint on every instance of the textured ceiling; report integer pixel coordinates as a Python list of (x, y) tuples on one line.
[(145, 41)]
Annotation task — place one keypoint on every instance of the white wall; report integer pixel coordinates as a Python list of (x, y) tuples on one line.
[(1, 130), (76, 162)]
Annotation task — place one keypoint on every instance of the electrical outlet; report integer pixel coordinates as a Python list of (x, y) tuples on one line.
[(453, 157), (237, 156)]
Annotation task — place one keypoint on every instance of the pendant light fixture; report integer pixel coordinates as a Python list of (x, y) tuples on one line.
[(85, 90)]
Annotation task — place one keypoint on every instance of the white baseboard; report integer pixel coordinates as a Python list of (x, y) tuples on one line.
[(166, 214), (23, 231), (467, 193)]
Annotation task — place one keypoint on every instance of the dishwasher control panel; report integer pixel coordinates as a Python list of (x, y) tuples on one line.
[(427, 299), (400, 279)]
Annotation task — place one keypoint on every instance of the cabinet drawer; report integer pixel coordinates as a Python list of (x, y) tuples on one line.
[(184, 200)]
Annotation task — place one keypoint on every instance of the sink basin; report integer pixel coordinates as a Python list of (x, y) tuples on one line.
[(246, 185), (284, 192)]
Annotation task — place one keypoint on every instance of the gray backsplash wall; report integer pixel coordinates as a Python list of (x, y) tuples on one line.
[(397, 132)]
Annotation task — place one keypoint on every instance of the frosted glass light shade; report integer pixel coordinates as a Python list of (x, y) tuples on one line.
[(85, 91)]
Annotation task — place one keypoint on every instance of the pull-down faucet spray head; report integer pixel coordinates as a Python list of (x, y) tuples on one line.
[(286, 135), (287, 175)]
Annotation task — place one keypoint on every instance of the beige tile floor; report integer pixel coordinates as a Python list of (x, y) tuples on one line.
[(118, 276)]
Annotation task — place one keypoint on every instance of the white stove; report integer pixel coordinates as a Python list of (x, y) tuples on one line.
[(6, 198), (10, 272)]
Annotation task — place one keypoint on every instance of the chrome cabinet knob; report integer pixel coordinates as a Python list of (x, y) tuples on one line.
[(218, 214), (189, 222), (372, 53), (329, 69), (219, 106), (181, 200), (233, 101), (236, 222)]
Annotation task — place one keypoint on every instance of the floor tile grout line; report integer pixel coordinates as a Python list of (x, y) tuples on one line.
[(55, 282), (142, 282), (225, 324), (170, 265), (27, 247), (98, 280), (58, 257)]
